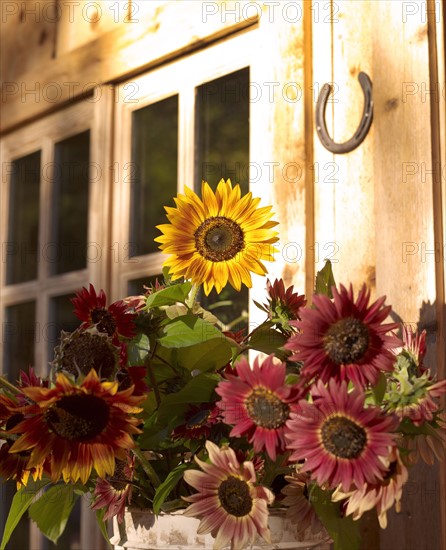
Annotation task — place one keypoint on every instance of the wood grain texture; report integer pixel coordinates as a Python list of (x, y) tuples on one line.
[(344, 191), (278, 145), (159, 36), (405, 236)]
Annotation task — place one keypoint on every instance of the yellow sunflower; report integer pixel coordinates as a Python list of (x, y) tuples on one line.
[(218, 239)]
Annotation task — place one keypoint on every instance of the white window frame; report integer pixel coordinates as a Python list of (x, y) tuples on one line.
[(180, 77), (94, 114)]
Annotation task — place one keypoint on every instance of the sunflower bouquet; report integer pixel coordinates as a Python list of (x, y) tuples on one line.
[(153, 403)]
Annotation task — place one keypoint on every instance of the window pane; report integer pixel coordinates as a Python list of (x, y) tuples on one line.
[(23, 224), (153, 171), (19, 336), (62, 317), (136, 286), (222, 130), (67, 250), (222, 134)]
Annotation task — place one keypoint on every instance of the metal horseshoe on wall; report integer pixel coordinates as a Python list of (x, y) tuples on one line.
[(364, 125)]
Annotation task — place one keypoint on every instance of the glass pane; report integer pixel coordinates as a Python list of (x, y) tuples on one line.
[(153, 171), (67, 250), (222, 134), (21, 253), (222, 130), (19, 336), (136, 286), (62, 317)]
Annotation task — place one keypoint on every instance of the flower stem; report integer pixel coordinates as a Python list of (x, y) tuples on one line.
[(9, 386), (153, 382), (192, 298), (146, 466)]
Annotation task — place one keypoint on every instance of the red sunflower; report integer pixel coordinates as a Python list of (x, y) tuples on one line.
[(199, 422), (342, 441), (114, 320), (344, 338), (381, 496), (257, 402), (79, 427), (15, 466), (283, 305), (115, 493)]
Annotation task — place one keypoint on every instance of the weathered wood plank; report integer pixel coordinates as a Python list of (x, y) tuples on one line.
[(27, 38), (81, 22), (120, 53), (278, 146), (405, 238), (343, 182)]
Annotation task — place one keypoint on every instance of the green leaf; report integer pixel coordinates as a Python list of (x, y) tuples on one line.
[(266, 339), (343, 530), (188, 330), (102, 526), (206, 356), (137, 350), (169, 296), (198, 390), (325, 280), (20, 503), (168, 485), (379, 389), (52, 510)]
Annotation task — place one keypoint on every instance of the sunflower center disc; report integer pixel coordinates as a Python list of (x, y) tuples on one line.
[(104, 320), (234, 496), (343, 438), (219, 239), (266, 409), (78, 417), (346, 341), (89, 351)]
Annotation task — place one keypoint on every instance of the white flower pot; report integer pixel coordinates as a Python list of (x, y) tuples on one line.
[(142, 530)]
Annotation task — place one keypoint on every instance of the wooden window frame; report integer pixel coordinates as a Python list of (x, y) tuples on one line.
[(180, 77), (42, 135)]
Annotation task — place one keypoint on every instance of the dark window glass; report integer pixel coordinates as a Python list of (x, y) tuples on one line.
[(21, 250), (20, 332), (67, 249), (222, 130), (62, 317), (153, 171), (222, 138), (136, 286)]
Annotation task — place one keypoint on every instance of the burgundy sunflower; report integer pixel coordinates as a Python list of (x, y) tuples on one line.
[(231, 507), (199, 422), (381, 496), (345, 339), (257, 402), (15, 466), (299, 509), (114, 320), (340, 439), (85, 349), (79, 427), (115, 493), (284, 304)]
